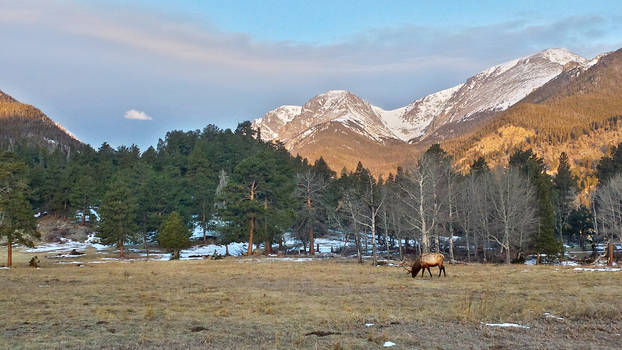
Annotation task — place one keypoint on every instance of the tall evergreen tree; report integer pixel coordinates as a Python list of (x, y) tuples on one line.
[(610, 165), (580, 223), (118, 215), (17, 222), (259, 195), (565, 185), (533, 167), (202, 179)]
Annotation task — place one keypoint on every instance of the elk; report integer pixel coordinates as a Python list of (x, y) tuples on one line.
[(425, 261)]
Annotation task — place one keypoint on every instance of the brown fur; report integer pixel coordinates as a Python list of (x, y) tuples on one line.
[(427, 260)]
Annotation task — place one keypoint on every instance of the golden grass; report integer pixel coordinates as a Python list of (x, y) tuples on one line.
[(253, 303)]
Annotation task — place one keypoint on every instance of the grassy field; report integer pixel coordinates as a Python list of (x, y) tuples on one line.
[(259, 303)]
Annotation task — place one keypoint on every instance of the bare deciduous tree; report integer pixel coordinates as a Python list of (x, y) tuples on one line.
[(364, 205), (422, 200), (466, 211), (310, 186), (512, 203), (608, 200)]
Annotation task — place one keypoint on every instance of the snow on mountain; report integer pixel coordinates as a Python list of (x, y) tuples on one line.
[(410, 121), (273, 121), (72, 135), (595, 60), (492, 90), (291, 124)]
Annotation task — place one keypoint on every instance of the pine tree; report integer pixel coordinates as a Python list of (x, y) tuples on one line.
[(322, 168), (202, 179), (565, 185), (174, 235), (118, 215), (533, 167), (17, 222), (258, 200), (611, 165), (479, 166), (580, 223)]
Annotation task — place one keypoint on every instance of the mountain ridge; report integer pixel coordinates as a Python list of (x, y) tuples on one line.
[(440, 116), (22, 123)]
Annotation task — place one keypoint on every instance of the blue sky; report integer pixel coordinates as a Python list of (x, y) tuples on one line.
[(185, 64)]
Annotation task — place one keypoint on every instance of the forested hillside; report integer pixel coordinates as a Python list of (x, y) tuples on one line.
[(578, 114), (23, 125), (233, 185)]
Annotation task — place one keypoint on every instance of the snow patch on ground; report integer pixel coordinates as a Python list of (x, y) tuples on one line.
[(68, 244), (548, 315), (235, 249), (600, 269), (388, 344), (69, 262), (506, 324), (288, 259), (325, 243), (270, 259), (63, 256)]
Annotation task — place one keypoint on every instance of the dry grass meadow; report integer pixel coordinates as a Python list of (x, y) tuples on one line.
[(259, 303)]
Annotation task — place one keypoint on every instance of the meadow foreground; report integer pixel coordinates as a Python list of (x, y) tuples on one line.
[(270, 303)]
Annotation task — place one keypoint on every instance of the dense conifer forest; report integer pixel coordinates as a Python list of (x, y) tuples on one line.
[(235, 188)]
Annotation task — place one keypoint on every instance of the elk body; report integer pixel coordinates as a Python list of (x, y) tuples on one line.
[(425, 261)]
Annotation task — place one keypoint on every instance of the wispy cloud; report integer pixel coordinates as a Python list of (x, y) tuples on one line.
[(401, 49), (137, 115), (193, 74)]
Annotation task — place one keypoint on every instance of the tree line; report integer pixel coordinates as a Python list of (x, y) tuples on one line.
[(230, 182)]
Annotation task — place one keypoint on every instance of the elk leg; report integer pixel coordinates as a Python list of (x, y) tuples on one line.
[(422, 273), (441, 268), (430, 272)]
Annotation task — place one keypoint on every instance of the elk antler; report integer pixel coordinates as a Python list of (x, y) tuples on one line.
[(404, 267)]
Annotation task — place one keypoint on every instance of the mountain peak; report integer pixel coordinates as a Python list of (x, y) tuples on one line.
[(561, 56), (331, 99), (334, 93)]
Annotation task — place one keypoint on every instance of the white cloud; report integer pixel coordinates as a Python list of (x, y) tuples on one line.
[(137, 115), (408, 49)]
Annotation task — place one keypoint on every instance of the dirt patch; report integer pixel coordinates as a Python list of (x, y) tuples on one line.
[(52, 229), (198, 329), (322, 333)]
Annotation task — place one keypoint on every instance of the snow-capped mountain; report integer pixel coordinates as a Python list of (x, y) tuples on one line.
[(339, 121), (273, 121), (492, 90), (292, 124)]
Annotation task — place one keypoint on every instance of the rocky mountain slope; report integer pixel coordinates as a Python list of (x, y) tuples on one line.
[(578, 112), (22, 124), (451, 112), (338, 125), (444, 115)]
